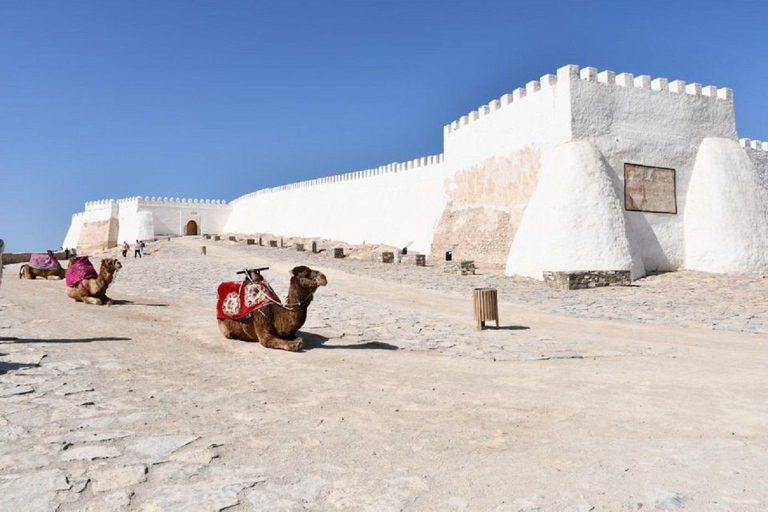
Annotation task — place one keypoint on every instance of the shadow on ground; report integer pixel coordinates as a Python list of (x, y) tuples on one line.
[(9, 367), (62, 340), (507, 328), (313, 341), (131, 303)]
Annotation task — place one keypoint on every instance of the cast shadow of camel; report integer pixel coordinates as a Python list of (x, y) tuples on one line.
[(506, 328), (14, 339), (131, 303), (313, 341), (10, 367)]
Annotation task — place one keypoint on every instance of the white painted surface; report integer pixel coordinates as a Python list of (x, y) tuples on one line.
[(575, 219), (726, 220), (73, 233), (392, 208), (640, 120), (645, 123)]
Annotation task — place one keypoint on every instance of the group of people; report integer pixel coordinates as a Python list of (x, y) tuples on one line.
[(138, 251)]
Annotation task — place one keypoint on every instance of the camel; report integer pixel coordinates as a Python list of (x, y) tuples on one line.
[(42, 265), (94, 290), (274, 325)]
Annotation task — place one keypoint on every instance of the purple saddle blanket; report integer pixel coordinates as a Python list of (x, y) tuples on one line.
[(44, 261), (80, 268)]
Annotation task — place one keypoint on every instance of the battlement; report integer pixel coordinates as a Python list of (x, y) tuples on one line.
[(99, 204), (394, 167), (757, 145), (169, 200), (572, 72)]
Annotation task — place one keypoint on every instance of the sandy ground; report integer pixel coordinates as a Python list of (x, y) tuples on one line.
[(643, 398)]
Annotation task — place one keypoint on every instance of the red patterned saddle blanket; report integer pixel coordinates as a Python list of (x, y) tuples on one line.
[(237, 300)]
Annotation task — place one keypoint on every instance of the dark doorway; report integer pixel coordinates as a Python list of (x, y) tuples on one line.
[(191, 228)]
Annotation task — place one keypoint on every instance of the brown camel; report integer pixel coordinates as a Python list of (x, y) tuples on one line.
[(94, 291), (28, 272), (275, 325)]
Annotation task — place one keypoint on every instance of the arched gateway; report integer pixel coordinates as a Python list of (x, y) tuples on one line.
[(191, 228)]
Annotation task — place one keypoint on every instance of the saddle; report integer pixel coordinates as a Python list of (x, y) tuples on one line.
[(45, 261), (80, 268), (238, 300)]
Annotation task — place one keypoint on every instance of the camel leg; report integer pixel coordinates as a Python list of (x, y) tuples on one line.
[(53, 278), (268, 339), (92, 300)]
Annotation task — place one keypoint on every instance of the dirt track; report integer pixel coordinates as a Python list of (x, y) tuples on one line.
[(398, 404)]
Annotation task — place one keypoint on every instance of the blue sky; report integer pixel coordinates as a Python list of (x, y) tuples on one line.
[(215, 99)]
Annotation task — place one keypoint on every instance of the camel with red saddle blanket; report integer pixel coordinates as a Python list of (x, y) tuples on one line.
[(85, 285), (251, 311)]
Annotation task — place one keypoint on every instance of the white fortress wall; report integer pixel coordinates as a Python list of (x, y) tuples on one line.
[(394, 204), (171, 215), (652, 122), (99, 225), (758, 152), (493, 156), (73, 233)]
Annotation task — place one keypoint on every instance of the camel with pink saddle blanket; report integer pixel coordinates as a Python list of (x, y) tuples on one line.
[(42, 265), (85, 285)]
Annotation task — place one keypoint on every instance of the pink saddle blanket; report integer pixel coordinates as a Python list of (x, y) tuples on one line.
[(45, 261), (80, 268), (236, 300)]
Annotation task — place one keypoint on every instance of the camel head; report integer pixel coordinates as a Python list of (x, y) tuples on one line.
[(307, 278), (110, 265)]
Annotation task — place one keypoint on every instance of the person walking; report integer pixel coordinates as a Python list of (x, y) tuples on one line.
[(141, 246), (125, 249), (137, 250)]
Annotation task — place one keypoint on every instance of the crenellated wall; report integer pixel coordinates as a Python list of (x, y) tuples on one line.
[(580, 126), (393, 204)]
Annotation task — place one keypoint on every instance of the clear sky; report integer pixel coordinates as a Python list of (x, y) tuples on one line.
[(215, 99)]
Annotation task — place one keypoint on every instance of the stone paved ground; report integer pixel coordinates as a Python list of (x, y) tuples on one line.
[(398, 403)]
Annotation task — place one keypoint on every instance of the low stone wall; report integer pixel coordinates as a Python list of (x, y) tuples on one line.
[(587, 279), (9, 258)]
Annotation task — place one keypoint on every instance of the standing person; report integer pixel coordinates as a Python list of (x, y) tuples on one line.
[(137, 250), (125, 249), (141, 245)]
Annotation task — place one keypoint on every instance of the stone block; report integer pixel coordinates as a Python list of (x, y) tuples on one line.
[(314, 247), (299, 247), (579, 280), (460, 267), (250, 241), (338, 252), (233, 239), (384, 257), (216, 237), (273, 243)]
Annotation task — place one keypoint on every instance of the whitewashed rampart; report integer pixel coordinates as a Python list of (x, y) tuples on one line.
[(394, 204), (655, 131)]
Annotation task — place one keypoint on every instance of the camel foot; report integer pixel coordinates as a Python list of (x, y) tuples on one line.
[(92, 300), (53, 278)]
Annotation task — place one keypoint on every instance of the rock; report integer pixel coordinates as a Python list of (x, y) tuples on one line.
[(95, 437), (160, 447), (115, 501), (15, 390), (666, 500), (32, 492), (90, 453), (116, 478), (204, 495), (76, 390)]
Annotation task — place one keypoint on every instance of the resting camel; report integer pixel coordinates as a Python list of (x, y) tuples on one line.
[(94, 290), (274, 325), (28, 272)]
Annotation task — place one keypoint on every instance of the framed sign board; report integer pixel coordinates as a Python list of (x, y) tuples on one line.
[(649, 189)]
